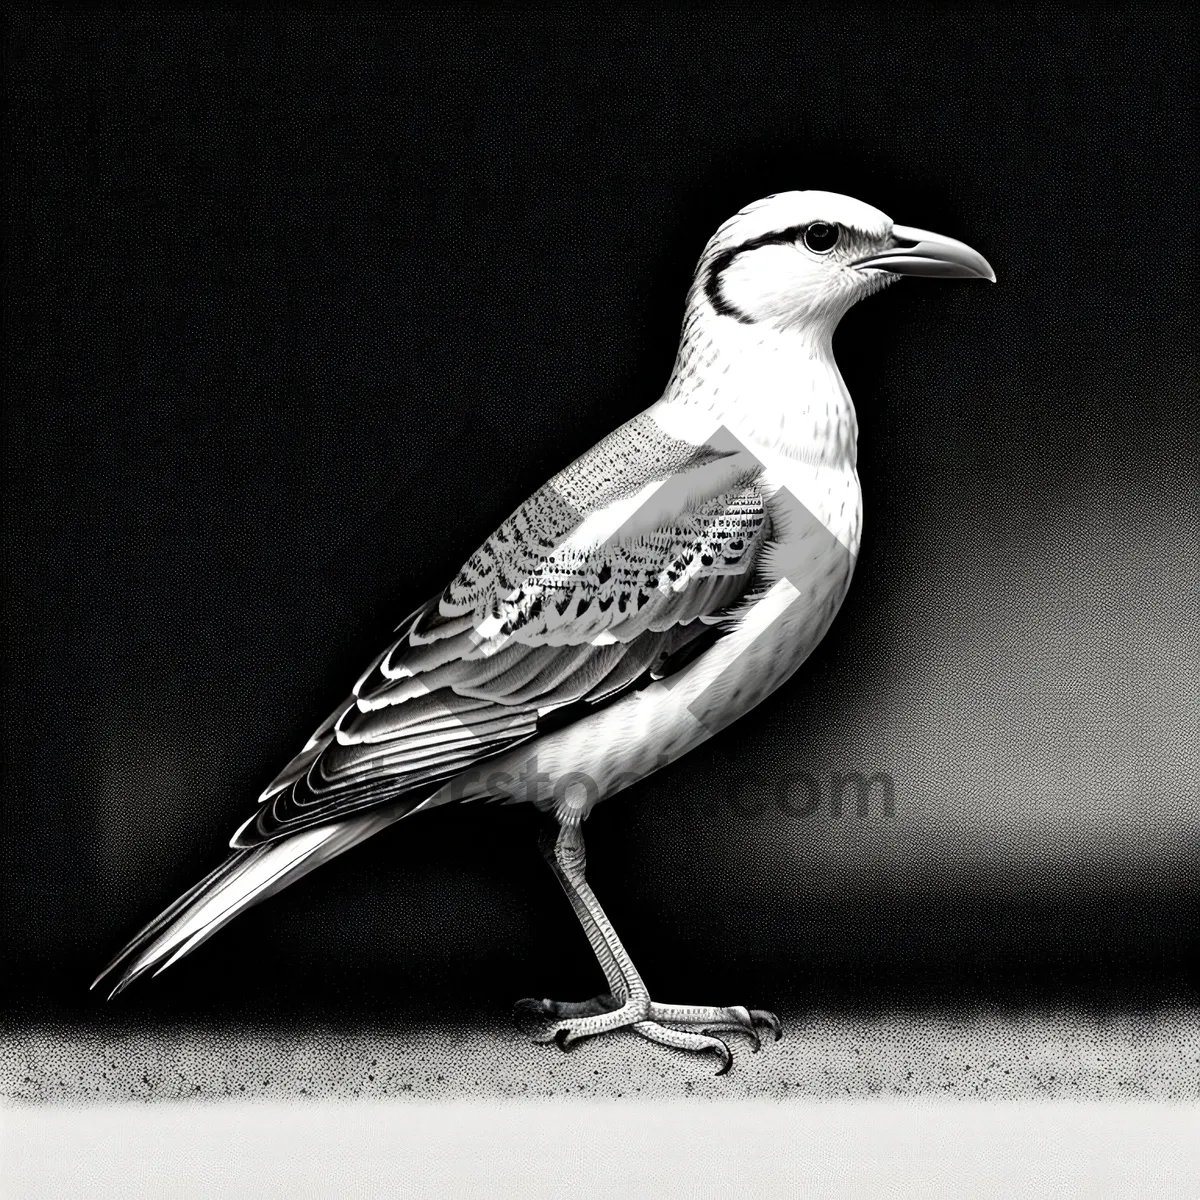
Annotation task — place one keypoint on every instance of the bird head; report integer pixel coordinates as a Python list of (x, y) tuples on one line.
[(800, 260)]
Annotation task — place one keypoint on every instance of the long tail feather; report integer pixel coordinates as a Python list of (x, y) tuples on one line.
[(242, 880)]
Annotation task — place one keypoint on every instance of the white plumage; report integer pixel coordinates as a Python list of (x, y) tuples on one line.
[(650, 593)]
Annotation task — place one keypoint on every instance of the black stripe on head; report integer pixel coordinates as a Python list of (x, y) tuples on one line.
[(712, 281)]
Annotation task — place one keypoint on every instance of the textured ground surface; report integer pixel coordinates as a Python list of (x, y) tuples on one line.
[(991, 1055)]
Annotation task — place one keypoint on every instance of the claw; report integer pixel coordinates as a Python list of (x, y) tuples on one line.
[(562, 1039), (741, 1016), (725, 1054), (747, 1023), (760, 1016), (751, 1033)]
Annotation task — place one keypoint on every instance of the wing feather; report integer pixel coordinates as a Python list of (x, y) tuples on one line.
[(601, 577)]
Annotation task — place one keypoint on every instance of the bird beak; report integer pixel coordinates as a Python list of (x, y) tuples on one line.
[(919, 252)]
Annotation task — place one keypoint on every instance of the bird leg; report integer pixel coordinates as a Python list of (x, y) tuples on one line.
[(628, 1003), (618, 983)]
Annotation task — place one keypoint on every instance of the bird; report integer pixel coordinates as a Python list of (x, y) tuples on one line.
[(646, 596)]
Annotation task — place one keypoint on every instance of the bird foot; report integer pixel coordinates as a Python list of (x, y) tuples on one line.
[(543, 1011), (565, 1023), (735, 1018)]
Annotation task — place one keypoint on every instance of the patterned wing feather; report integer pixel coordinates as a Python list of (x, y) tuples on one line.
[(611, 569)]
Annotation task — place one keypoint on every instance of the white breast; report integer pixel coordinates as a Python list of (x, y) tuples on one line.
[(792, 412), (783, 401)]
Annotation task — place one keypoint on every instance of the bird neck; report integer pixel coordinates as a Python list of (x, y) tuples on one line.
[(777, 390)]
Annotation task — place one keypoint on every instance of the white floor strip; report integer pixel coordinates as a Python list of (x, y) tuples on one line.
[(868, 1149)]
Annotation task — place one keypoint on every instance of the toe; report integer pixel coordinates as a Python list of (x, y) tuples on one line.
[(531, 1016), (751, 1033), (539, 1020), (746, 1021), (760, 1016), (722, 1051), (679, 1039), (563, 1009)]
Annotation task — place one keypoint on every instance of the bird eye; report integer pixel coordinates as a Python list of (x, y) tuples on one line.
[(821, 237)]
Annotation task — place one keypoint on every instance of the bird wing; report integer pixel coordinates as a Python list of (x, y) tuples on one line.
[(607, 576)]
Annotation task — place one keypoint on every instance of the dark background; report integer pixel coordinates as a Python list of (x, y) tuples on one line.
[(297, 308)]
